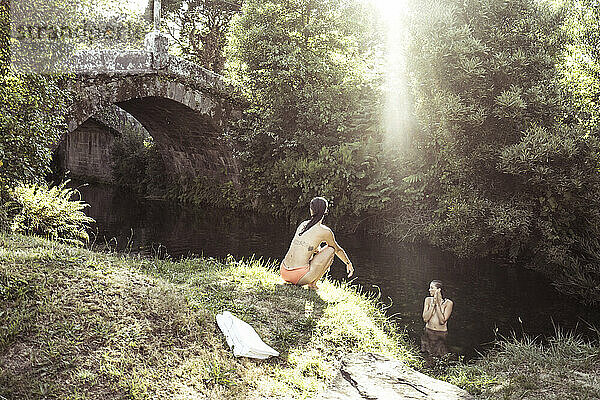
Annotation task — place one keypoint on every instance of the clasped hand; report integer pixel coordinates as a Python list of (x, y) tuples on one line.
[(437, 298)]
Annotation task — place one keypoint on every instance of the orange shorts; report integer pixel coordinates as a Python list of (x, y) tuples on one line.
[(293, 275)]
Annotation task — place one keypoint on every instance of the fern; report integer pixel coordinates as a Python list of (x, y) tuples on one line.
[(51, 212)]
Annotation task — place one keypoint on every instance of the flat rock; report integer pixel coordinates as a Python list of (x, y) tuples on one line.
[(371, 376)]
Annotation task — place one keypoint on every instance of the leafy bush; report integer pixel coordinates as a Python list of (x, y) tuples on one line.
[(50, 212), (479, 84), (560, 177), (201, 190), (32, 110), (137, 164), (350, 175), (4, 217), (202, 27)]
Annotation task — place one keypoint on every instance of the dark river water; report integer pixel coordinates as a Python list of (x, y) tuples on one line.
[(488, 298)]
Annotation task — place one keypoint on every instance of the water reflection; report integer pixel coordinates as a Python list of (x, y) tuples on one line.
[(487, 297)]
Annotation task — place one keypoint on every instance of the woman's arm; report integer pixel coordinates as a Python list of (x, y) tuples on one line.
[(330, 240), (428, 309), (443, 313)]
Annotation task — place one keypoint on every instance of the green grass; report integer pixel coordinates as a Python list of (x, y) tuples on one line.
[(567, 367), (77, 324)]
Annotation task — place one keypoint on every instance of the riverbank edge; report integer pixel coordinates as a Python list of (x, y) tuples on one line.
[(81, 324)]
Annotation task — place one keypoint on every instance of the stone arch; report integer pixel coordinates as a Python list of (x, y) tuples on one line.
[(95, 93), (186, 122)]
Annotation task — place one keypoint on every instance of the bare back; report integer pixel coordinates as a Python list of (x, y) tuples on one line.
[(304, 246)]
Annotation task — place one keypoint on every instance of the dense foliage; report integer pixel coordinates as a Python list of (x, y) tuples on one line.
[(312, 127), (198, 28), (137, 164), (32, 109), (505, 165), (479, 86), (49, 212), (32, 112), (32, 120)]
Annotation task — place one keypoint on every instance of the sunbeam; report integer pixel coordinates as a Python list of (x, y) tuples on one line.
[(397, 107)]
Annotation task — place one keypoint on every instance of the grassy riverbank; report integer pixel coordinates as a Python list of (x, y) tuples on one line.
[(77, 324), (567, 367)]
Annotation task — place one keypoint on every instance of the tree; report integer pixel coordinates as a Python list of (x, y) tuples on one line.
[(582, 67), (32, 109), (306, 68), (507, 168), (199, 28)]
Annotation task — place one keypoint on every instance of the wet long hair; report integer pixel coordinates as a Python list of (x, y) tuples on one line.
[(438, 284), (318, 206)]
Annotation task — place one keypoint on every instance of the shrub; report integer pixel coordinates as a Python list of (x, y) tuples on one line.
[(137, 164), (350, 175), (51, 212)]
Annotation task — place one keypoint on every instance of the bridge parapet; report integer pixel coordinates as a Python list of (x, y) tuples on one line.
[(140, 62), (100, 62), (155, 59)]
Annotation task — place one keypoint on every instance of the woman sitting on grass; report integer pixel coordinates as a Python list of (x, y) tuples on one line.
[(308, 259)]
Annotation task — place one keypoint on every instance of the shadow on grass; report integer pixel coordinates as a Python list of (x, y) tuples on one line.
[(299, 311)]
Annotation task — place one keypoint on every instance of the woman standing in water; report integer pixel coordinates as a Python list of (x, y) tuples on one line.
[(436, 312), (306, 260)]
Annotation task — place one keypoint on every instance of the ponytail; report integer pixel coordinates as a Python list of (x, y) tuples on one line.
[(318, 206)]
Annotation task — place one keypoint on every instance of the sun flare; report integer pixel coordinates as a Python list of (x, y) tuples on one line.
[(397, 114), (391, 8), (137, 5)]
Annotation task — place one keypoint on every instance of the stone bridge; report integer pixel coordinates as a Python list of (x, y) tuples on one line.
[(184, 107)]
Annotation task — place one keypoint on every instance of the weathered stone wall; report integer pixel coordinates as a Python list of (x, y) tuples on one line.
[(85, 152), (121, 121)]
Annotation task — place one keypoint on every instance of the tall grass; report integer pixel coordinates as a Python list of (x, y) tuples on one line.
[(50, 212), (565, 367)]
